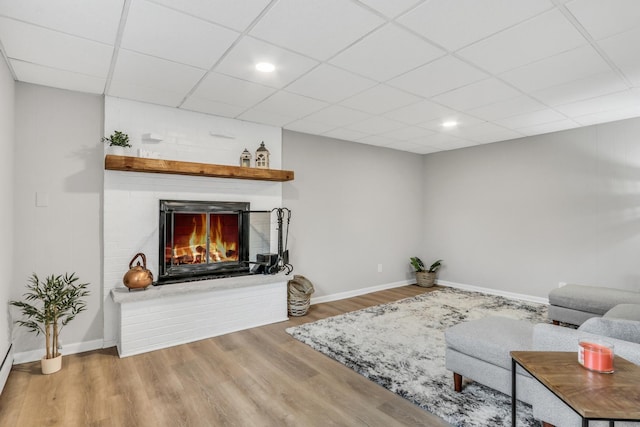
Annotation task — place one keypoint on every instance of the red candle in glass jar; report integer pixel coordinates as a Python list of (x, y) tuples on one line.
[(596, 356)]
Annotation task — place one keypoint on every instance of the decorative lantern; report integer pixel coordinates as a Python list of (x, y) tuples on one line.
[(245, 159), (262, 157)]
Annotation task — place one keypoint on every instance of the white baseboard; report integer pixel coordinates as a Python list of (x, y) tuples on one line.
[(5, 368), (362, 291), (490, 291), (34, 355)]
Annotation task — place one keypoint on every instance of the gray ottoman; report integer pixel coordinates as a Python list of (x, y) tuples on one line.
[(480, 350), (624, 311), (574, 304)]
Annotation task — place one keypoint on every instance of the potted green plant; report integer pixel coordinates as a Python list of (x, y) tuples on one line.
[(48, 306), (425, 277), (118, 141)]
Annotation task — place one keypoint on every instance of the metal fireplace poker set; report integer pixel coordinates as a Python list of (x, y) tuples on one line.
[(140, 277)]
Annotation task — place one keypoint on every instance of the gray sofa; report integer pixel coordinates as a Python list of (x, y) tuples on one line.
[(574, 304), (479, 350)]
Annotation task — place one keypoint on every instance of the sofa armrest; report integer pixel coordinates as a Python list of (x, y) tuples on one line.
[(548, 337), (622, 329)]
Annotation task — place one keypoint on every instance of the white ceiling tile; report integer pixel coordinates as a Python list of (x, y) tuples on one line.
[(390, 8), (437, 77), (317, 29), (408, 132), (564, 67), (95, 20), (308, 126), (424, 149), (410, 146), (531, 119), (623, 50), (444, 141), (346, 134), (265, 117), (208, 106), (330, 84), (454, 24), (545, 35), (379, 57), (619, 100), (190, 41), (510, 107), (477, 94), (603, 18), (377, 140), (608, 116), (588, 87), (230, 13), (151, 95), (337, 115), (375, 125), (290, 104), (548, 127), (486, 132), (38, 74), (462, 119), (419, 113), (53, 49), (229, 90), (241, 61), (379, 99), (136, 70)]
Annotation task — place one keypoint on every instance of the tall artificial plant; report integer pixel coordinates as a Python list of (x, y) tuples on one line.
[(51, 304)]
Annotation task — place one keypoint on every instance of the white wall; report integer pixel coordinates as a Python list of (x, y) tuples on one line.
[(7, 145), (524, 215), (58, 154), (354, 207)]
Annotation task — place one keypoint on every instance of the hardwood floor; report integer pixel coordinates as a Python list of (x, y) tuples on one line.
[(257, 377)]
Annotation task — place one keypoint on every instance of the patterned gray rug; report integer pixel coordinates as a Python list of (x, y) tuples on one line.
[(401, 346)]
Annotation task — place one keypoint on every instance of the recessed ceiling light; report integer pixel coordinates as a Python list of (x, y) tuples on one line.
[(449, 124), (265, 67)]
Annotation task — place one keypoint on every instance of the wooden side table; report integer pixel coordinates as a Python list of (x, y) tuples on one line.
[(592, 395)]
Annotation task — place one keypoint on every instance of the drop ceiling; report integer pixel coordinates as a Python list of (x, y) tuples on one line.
[(379, 72)]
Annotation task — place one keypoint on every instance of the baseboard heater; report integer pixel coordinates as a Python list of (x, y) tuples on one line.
[(5, 368)]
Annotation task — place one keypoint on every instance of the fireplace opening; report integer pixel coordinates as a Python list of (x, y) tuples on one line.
[(200, 240)]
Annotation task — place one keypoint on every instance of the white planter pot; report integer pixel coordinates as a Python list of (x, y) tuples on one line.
[(115, 150), (50, 366)]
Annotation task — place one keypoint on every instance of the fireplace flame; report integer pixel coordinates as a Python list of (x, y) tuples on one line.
[(191, 248)]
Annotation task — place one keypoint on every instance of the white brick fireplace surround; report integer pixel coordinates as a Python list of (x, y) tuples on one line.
[(158, 317)]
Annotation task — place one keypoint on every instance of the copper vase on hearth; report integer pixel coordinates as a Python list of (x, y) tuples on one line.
[(138, 276)]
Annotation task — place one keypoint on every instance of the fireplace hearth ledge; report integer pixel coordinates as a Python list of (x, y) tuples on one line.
[(123, 295), (168, 315)]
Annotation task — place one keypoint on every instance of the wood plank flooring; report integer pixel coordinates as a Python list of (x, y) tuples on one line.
[(257, 377)]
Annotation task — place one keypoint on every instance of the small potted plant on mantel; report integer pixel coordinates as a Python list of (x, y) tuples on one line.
[(425, 278), (118, 141), (48, 306)]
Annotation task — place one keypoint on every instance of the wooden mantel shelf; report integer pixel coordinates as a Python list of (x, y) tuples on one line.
[(139, 164)]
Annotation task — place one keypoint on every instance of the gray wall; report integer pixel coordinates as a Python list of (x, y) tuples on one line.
[(524, 215), (7, 144), (59, 154), (354, 207)]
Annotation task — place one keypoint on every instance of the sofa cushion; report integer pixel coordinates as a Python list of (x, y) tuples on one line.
[(591, 299), (491, 338), (626, 330), (624, 311)]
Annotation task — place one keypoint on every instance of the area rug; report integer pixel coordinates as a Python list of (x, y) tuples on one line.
[(401, 346)]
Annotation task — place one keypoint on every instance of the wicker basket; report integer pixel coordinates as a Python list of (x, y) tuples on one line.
[(425, 279), (299, 295)]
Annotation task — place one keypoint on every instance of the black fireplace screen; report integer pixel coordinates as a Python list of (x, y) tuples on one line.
[(210, 239)]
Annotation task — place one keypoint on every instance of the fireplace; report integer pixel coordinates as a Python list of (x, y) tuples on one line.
[(202, 240)]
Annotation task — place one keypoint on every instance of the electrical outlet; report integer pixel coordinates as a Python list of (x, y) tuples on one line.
[(561, 284), (379, 268)]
